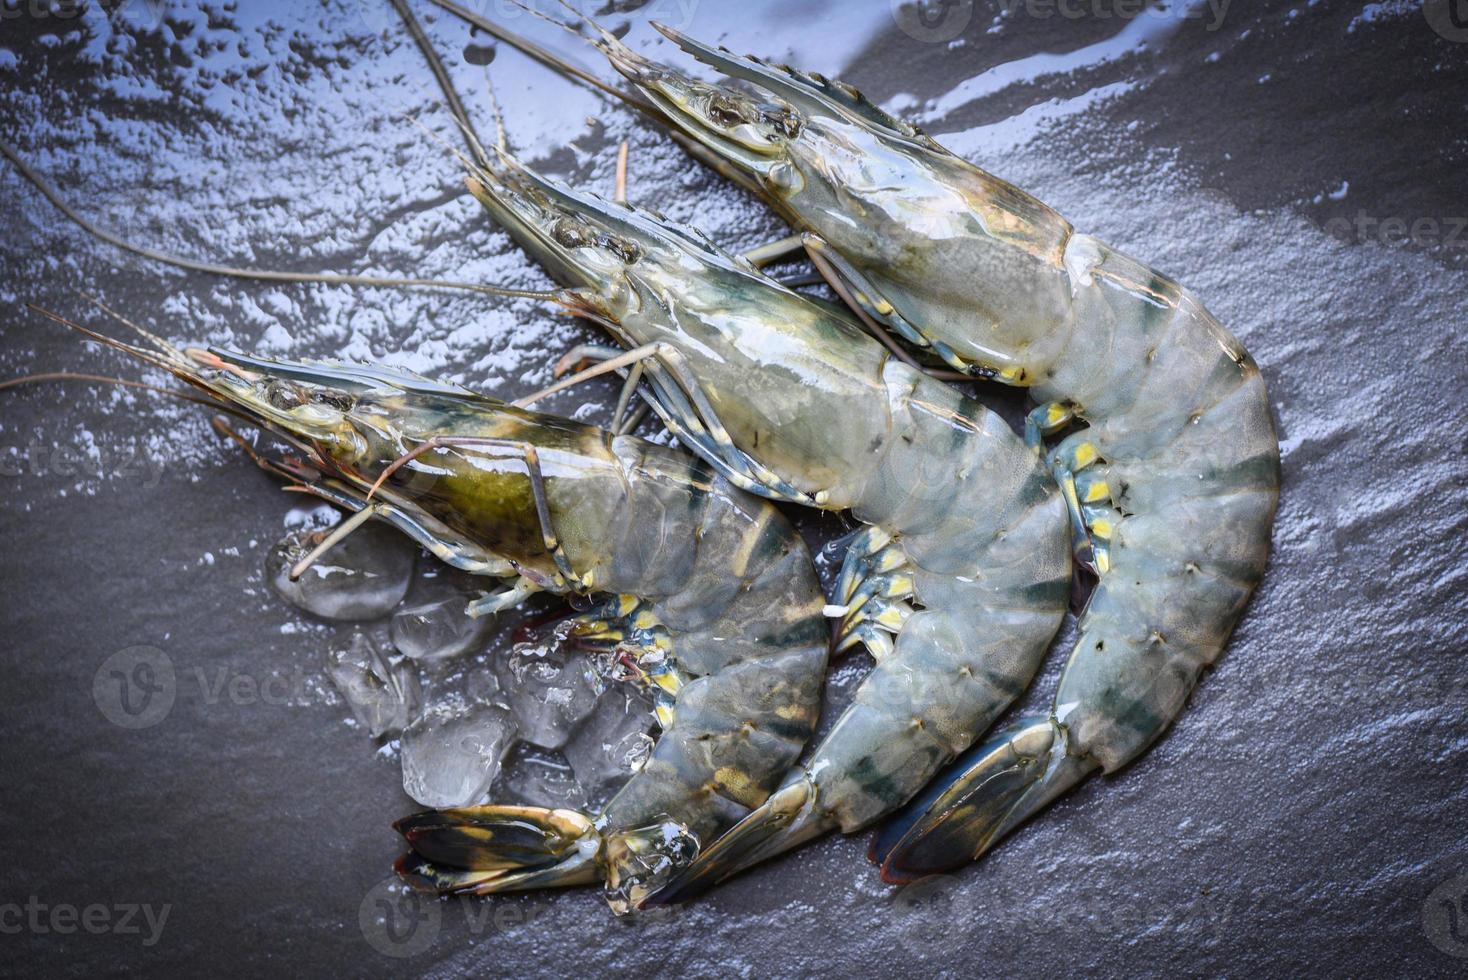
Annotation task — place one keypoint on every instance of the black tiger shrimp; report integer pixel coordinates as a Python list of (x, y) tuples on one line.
[(1168, 458), (707, 591), (960, 575)]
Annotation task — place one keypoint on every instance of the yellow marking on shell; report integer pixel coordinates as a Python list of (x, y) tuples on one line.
[(627, 603), (821, 497), (1103, 563), (668, 681), (588, 580), (739, 786), (1101, 528), (1011, 374), (1057, 414), (1068, 490), (792, 712), (879, 645), (664, 714), (739, 561), (645, 620), (1085, 455), (1098, 491), (891, 558), (883, 308), (893, 617), (899, 585)]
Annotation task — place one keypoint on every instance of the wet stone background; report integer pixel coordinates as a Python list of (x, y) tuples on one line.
[(1300, 165)]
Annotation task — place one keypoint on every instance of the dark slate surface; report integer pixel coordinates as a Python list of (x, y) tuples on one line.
[(1301, 166)]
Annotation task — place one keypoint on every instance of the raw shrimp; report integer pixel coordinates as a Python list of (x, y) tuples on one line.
[(1170, 472), (708, 592), (960, 576)]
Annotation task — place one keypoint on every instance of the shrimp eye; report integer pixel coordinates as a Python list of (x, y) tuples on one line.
[(568, 234), (284, 396), (628, 251), (725, 111), (340, 401), (783, 120)]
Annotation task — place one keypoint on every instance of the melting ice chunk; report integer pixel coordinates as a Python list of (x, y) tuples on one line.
[(612, 743), (452, 754), (536, 777), (437, 630), (550, 691), (382, 695), (361, 578)]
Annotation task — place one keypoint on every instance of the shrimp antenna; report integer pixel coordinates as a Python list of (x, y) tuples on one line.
[(450, 94), (501, 131), (50, 376), (141, 353), (168, 350), (545, 57), (435, 65), (268, 275), (573, 27), (469, 164)]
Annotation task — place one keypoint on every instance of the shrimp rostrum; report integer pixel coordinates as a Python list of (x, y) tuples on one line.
[(708, 591), (1153, 418)]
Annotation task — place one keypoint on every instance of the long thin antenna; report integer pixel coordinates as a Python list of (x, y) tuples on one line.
[(49, 376), (269, 275), (445, 84), (168, 350), (545, 57), (146, 356), (501, 132)]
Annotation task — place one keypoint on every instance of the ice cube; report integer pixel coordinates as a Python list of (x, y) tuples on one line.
[(612, 743), (452, 754), (383, 694), (361, 578), (536, 777), (438, 630), (549, 690)]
